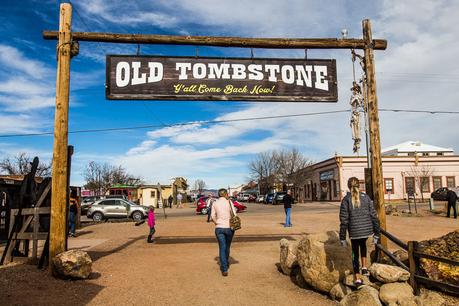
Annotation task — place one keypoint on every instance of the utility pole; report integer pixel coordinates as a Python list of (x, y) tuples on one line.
[(58, 235), (373, 118)]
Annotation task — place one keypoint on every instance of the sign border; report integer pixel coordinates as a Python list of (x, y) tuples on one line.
[(333, 98)]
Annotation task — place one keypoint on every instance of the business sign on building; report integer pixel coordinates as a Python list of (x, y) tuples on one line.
[(327, 175), (204, 78)]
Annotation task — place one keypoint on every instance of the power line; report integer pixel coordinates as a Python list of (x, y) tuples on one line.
[(209, 122)]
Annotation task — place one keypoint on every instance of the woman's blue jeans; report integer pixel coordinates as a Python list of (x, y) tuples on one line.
[(224, 237), (288, 212)]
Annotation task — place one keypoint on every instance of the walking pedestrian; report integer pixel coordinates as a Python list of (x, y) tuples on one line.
[(170, 200), (451, 197), (151, 224), (288, 201), (221, 215), (179, 200), (209, 202), (358, 217), (73, 211)]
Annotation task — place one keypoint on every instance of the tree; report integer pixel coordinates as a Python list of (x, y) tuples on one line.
[(285, 167), (100, 177), (421, 175), (199, 185), (21, 164)]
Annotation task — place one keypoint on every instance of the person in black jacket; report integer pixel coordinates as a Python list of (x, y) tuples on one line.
[(288, 201), (358, 217), (451, 197)]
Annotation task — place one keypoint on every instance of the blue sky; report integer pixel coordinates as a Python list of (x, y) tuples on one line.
[(419, 70)]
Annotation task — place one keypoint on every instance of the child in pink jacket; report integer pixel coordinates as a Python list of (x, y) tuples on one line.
[(151, 224)]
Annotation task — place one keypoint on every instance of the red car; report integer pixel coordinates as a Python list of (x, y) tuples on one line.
[(201, 207)]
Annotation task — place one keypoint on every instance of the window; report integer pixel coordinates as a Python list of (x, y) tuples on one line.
[(425, 186), (439, 153), (450, 181), (409, 185), (335, 189), (411, 154), (107, 202), (389, 185), (152, 194), (425, 154), (436, 182)]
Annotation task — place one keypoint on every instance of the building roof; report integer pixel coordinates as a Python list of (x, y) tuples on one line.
[(414, 146)]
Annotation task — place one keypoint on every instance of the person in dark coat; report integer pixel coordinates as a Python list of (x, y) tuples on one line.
[(170, 200), (288, 201), (358, 217), (451, 197)]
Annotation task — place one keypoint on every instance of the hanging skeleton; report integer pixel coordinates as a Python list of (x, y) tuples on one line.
[(357, 106)]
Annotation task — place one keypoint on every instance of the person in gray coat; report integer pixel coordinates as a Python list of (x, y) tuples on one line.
[(358, 217)]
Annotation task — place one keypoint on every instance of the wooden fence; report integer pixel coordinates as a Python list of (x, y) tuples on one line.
[(414, 257)]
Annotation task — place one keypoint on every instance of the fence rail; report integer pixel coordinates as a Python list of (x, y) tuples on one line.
[(414, 257)]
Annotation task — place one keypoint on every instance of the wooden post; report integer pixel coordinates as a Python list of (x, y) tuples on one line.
[(60, 186), (412, 246), (373, 118)]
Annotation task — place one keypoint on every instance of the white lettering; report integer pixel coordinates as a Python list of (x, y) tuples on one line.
[(304, 75), (272, 69), (321, 73), (255, 72), (288, 74), (238, 71), (156, 72), (217, 71), (199, 71), (123, 74), (136, 79), (183, 67)]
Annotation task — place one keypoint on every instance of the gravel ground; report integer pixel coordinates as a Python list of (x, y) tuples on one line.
[(181, 267)]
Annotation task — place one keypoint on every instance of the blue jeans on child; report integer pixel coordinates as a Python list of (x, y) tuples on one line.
[(287, 217), (224, 237)]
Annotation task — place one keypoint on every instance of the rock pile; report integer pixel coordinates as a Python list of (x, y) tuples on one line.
[(318, 261), (446, 246)]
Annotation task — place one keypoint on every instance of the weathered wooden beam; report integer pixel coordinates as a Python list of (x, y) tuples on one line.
[(59, 189), (373, 120), (240, 42)]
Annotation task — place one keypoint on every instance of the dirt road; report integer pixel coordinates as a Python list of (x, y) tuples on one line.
[(181, 267)]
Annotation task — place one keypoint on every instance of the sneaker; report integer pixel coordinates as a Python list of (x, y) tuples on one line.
[(225, 273), (358, 283), (365, 271)]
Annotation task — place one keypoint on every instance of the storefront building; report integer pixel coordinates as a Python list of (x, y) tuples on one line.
[(405, 174)]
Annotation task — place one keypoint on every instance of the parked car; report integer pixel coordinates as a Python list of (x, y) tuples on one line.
[(87, 202), (440, 193), (260, 198), (116, 208), (278, 197), (252, 198), (269, 198), (202, 208)]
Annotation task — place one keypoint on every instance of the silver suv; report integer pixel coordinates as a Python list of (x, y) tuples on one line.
[(116, 208)]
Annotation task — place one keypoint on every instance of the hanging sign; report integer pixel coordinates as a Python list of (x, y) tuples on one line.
[(204, 78)]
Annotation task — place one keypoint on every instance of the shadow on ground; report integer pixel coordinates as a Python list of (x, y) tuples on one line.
[(212, 239), (25, 285), (96, 255)]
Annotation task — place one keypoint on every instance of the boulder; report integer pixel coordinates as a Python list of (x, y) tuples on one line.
[(446, 246), (339, 291), (288, 250), (430, 298), (397, 294), (323, 260), (388, 274), (349, 281), (402, 255), (366, 296), (73, 264)]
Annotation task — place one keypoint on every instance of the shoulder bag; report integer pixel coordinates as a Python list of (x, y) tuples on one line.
[(235, 221)]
